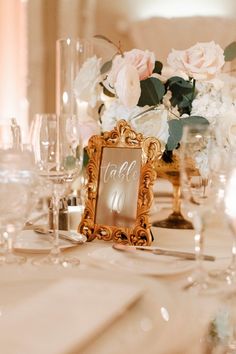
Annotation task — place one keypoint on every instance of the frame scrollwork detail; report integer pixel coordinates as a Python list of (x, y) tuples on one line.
[(122, 136)]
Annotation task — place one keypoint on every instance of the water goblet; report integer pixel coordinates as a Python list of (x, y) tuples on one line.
[(196, 185), (17, 186), (229, 274), (58, 154)]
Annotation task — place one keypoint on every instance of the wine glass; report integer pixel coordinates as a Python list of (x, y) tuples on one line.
[(229, 274), (17, 194), (58, 154), (196, 185)]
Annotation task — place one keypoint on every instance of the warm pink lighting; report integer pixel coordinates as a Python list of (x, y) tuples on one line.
[(13, 62)]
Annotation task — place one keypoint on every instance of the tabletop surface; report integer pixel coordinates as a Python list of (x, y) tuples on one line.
[(143, 310)]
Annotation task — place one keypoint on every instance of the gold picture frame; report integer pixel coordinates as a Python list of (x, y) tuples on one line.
[(120, 176)]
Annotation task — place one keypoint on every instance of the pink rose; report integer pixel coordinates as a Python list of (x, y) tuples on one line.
[(203, 61), (127, 86), (143, 61)]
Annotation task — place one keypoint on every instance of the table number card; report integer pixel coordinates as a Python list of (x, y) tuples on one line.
[(120, 179)]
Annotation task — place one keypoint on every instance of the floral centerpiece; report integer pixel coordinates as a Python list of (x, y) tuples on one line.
[(159, 100)]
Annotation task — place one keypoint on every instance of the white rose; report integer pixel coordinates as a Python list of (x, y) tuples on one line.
[(127, 86), (86, 85), (153, 123), (203, 61)]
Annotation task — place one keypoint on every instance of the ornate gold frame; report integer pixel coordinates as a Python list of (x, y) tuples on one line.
[(121, 136)]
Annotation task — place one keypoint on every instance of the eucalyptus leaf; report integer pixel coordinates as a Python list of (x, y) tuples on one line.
[(106, 91), (152, 92), (183, 93), (176, 129), (186, 101), (194, 120), (106, 67), (85, 158), (175, 133), (176, 80), (158, 67), (230, 52)]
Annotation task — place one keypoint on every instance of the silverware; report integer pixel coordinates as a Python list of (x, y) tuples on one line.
[(161, 251), (73, 237)]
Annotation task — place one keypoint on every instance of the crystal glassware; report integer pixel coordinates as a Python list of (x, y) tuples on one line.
[(18, 185), (196, 187), (58, 154), (229, 274), (71, 54)]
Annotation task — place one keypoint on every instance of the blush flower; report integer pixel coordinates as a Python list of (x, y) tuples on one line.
[(127, 86), (203, 61), (143, 61)]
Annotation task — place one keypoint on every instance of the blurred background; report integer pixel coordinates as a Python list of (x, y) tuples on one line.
[(29, 30)]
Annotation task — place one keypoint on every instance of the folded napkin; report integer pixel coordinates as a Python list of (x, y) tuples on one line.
[(65, 316)]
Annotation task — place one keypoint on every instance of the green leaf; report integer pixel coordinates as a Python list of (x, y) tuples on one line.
[(175, 133), (106, 91), (176, 129), (85, 158), (176, 80), (158, 67), (186, 101), (194, 120), (182, 93), (152, 92), (230, 52), (106, 67)]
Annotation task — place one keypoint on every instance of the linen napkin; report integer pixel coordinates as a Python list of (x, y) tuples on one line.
[(65, 316)]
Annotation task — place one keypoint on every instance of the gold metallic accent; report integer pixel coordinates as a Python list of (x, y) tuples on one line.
[(122, 136), (171, 172)]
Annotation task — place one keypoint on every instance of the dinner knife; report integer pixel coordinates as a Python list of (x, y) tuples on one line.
[(161, 251), (73, 237)]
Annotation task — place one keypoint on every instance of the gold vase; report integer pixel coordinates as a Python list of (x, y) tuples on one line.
[(170, 171)]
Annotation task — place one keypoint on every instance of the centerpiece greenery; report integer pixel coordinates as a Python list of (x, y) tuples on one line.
[(159, 100)]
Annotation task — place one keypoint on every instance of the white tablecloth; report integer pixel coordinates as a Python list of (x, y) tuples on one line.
[(153, 314)]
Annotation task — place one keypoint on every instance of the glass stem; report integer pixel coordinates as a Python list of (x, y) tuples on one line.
[(176, 199), (199, 247), (55, 251)]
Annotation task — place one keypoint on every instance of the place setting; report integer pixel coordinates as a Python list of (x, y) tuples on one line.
[(117, 189)]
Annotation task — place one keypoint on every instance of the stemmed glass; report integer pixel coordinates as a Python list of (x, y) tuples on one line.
[(228, 275), (18, 183), (58, 154), (195, 185)]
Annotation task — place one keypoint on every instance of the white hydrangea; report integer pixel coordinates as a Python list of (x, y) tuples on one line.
[(152, 123), (215, 100), (115, 111), (217, 103)]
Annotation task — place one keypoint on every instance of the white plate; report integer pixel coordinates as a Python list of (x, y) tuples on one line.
[(31, 242), (141, 263)]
